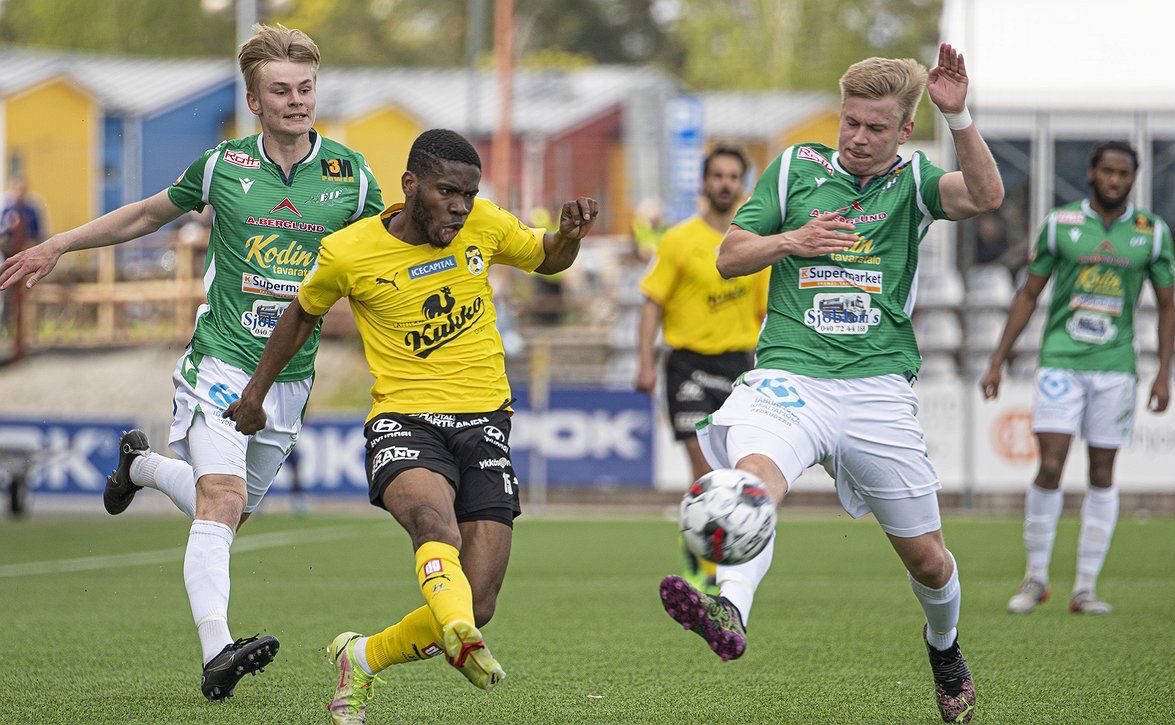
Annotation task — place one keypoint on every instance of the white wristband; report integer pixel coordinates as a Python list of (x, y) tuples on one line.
[(958, 121)]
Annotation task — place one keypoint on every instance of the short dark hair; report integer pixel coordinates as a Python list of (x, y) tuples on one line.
[(1100, 150), (722, 150), (438, 145)]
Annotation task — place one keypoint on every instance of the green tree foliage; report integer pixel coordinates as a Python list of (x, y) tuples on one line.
[(137, 27)]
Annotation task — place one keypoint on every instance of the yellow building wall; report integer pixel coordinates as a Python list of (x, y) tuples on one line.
[(384, 138), (51, 138), (821, 128)]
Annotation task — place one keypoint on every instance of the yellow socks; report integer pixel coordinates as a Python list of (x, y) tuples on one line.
[(416, 637), (443, 584)]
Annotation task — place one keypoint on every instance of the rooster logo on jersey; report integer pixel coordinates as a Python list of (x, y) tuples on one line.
[(438, 304)]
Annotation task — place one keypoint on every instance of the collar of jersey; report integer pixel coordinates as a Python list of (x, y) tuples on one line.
[(315, 145), (846, 172), (1087, 208)]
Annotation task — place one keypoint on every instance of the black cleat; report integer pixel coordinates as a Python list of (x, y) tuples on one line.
[(243, 657), (119, 489), (953, 687)]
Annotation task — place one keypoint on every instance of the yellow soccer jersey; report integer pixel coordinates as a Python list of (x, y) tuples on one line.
[(426, 315), (703, 312)]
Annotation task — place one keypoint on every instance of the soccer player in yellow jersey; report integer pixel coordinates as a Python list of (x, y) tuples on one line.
[(711, 324), (438, 435)]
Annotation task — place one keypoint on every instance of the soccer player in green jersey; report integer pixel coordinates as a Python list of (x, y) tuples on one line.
[(1099, 252), (275, 194), (840, 229)]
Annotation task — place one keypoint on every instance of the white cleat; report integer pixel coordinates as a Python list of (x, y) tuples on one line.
[(1086, 602), (1031, 593)]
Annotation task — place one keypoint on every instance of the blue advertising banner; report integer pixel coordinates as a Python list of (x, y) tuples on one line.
[(683, 121), (590, 437), (61, 456)]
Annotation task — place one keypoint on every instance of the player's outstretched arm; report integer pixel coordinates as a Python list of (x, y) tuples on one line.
[(1160, 394), (743, 252), (121, 225), (576, 219), (1023, 305), (646, 338), (976, 187), (289, 335)]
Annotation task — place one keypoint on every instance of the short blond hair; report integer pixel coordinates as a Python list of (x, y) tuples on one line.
[(274, 43), (902, 78)]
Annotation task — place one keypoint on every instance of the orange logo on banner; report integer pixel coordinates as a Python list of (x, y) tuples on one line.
[(1012, 437)]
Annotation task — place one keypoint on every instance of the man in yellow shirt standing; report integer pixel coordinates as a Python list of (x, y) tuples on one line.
[(711, 324)]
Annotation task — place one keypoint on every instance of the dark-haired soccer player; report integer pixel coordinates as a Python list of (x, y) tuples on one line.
[(1099, 251), (275, 194), (710, 324), (438, 435)]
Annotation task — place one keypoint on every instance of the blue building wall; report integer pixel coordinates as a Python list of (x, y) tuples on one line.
[(174, 138), (113, 175)]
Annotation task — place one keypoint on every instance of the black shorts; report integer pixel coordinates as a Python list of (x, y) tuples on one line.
[(696, 385), (472, 451)]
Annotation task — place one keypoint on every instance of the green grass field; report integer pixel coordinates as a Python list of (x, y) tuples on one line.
[(97, 627)]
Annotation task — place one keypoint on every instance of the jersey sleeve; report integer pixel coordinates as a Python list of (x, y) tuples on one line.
[(327, 282), (664, 270), (1044, 257), (520, 246), (928, 191), (1160, 266), (373, 201), (761, 214), (189, 192)]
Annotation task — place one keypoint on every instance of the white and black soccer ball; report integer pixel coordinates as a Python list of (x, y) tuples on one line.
[(727, 516)]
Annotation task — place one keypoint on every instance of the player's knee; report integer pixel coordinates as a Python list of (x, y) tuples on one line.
[(931, 567), (426, 523), (220, 498), (1049, 475)]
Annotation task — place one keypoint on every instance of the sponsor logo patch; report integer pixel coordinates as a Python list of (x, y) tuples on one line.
[(433, 566), (256, 284), (1097, 303), (263, 221), (432, 650), (828, 276), (386, 425), (246, 184), (337, 170), (1070, 217), (495, 433), (842, 314), (493, 463), (263, 317), (241, 159), (433, 267), (222, 395), (273, 255), (286, 205), (1091, 327), (446, 322), (393, 453), (807, 154)]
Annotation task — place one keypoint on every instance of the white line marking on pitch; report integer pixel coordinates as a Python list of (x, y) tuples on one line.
[(164, 556)]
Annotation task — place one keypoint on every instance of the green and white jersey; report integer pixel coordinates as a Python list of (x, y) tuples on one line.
[(1098, 272), (265, 236), (846, 314)]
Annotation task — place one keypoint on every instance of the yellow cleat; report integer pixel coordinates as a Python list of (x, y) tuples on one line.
[(355, 688), (466, 650)]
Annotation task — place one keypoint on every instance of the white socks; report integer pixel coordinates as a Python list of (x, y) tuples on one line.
[(941, 607), (206, 577), (172, 477), (361, 655), (738, 583), (1042, 510), (1099, 515)]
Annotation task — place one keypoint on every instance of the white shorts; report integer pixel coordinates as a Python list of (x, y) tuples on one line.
[(864, 431), (1100, 403), (204, 387)]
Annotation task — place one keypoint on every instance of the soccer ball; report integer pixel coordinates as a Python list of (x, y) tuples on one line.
[(727, 517)]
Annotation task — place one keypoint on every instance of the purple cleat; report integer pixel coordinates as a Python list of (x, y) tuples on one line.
[(954, 689), (714, 619)]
